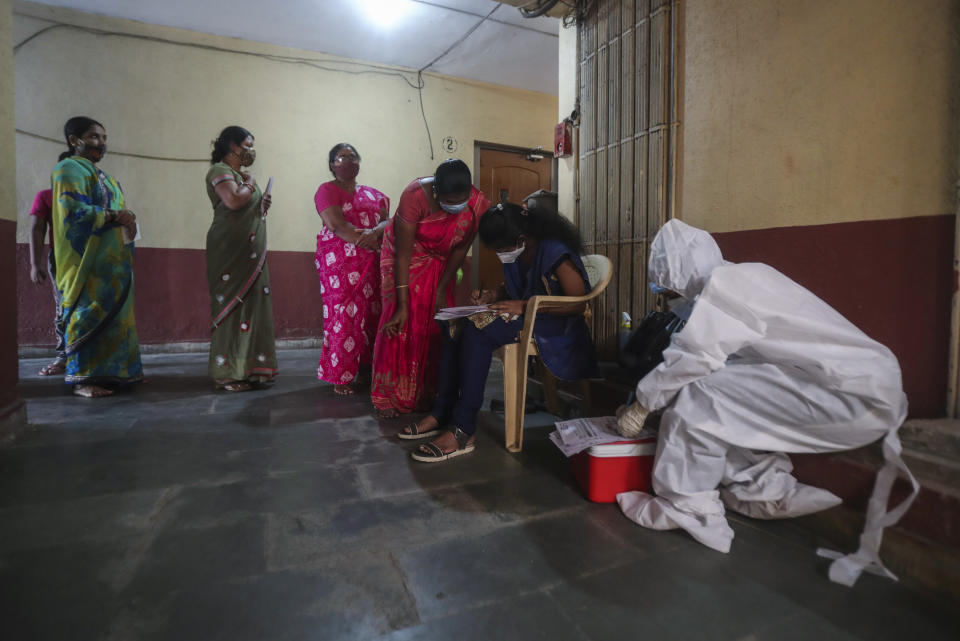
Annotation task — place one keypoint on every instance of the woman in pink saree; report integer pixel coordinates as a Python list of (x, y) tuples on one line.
[(422, 250), (354, 217)]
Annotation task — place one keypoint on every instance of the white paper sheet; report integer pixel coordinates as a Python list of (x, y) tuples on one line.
[(578, 434), (126, 235), (449, 313)]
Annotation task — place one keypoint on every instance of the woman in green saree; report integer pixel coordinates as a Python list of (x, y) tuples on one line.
[(242, 350), (94, 265)]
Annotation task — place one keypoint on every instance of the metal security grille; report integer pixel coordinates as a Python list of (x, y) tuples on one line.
[(627, 144)]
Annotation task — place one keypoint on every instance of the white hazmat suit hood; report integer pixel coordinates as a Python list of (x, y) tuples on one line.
[(762, 368), (682, 258)]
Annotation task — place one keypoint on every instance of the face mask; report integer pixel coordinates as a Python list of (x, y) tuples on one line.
[(83, 149), (346, 170), (247, 156), (454, 209), (511, 256)]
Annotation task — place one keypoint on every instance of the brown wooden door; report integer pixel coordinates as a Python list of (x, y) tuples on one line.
[(505, 176)]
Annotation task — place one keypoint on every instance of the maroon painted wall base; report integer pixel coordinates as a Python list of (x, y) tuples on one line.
[(891, 278), (934, 515), (11, 406), (172, 303)]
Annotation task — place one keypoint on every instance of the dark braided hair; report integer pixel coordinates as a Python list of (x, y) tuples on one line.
[(76, 126), (221, 146), (502, 224)]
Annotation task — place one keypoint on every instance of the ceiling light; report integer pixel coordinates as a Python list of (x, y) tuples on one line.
[(385, 13)]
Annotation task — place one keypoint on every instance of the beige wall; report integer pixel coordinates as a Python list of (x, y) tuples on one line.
[(7, 166), (566, 100), (816, 111), (168, 100)]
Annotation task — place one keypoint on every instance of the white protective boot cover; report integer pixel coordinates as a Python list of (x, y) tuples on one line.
[(801, 500), (759, 485), (657, 513)]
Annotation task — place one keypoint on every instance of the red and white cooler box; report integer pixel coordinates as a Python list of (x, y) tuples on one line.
[(603, 471)]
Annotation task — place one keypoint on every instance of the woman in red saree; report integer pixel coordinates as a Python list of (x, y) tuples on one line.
[(349, 268), (423, 248)]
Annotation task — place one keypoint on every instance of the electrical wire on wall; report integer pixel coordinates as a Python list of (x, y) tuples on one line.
[(579, 10), (113, 152), (369, 68), (365, 68), (432, 62), (537, 8)]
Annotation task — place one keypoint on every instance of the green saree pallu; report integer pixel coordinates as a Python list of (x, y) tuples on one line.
[(94, 276), (242, 346)]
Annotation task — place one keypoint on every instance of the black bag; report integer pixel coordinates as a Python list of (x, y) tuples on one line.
[(643, 350)]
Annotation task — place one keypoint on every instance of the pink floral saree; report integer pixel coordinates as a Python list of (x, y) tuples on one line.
[(349, 284)]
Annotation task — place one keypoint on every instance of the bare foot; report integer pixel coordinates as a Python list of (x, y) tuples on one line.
[(388, 413), (54, 368), (91, 391), (344, 390)]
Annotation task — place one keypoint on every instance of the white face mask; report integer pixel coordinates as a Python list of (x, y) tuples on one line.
[(454, 209), (511, 256)]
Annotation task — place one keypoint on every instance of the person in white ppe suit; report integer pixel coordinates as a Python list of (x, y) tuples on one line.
[(763, 367)]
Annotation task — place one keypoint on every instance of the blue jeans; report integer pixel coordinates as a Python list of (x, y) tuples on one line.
[(464, 365)]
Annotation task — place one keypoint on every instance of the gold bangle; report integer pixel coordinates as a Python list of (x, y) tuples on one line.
[(400, 286)]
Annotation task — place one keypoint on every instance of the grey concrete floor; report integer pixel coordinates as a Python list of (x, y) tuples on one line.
[(176, 512)]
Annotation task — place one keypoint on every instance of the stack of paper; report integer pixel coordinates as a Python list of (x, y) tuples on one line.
[(578, 434), (449, 313)]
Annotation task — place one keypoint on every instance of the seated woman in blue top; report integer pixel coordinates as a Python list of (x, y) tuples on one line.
[(540, 252)]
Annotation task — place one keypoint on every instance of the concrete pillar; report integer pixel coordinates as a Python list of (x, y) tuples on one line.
[(13, 413)]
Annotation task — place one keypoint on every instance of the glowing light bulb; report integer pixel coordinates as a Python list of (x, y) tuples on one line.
[(385, 13)]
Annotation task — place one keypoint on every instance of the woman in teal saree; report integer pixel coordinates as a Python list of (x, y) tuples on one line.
[(94, 265)]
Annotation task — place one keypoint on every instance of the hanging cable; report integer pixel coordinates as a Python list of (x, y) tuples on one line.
[(371, 68), (461, 39), (423, 112), (579, 11), (540, 8), (420, 71), (113, 152), (512, 25)]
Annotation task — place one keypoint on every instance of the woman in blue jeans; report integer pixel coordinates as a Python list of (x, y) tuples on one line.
[(540, 252)]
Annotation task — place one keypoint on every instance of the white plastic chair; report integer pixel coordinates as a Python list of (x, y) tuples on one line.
[(515, 356)]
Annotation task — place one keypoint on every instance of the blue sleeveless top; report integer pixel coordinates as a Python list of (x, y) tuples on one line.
[(563, 341)]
